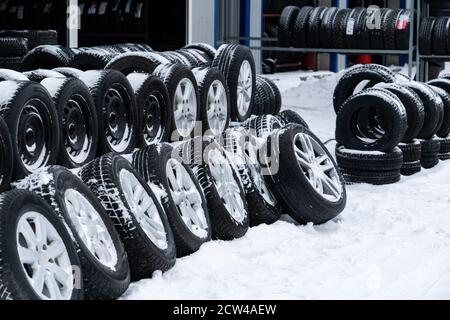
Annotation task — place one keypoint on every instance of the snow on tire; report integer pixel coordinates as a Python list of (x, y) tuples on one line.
[(263, 126), (137, 62), (69, 72), (116, 110), (41, 74), (369, 161), (290, 116), (430, 152), (300, 164), (6, 157), (38, 260), (7, 74), (135, 212), (103, 259), (209, 50), (153, 102), (183, 199), (31, 117), (47, 57)]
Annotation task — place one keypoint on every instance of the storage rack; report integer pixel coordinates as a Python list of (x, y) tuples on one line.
[(410, 52)]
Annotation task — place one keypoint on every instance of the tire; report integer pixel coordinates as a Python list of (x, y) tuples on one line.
[(326, 27), (11, 75), (104, 277), (31, 117), (35, 37), (442, 109), (444, 156), (288, 180), (6, 158), (263, 99), (415, 110), (300, 28), (313, 35), (376, 35), (352, 78), (430, 152), (411, 168), (443, 84), (235, 61), (402, 29), (243, 150), (214, 96), (136, 62), (292, 117), (198, 58), (262, 126), (123, 192), (16, 208), (439, 39), (153, 102), (362, 32), (176, 77), (445, 145), (91, 60), (286, 25), (69, 72), (12, 63), (154, 164), (412, 152), (227, 223), (388, 25), (78, 118), (175, 57), (41, 74), (209, 50), (369, 161), (432, 105), (351, 27), (13, 47), (339, 25), (113, 94), (349, 132), (47, 57), (373, 178), (426, 35)]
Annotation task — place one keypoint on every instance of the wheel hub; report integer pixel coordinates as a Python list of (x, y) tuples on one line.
[(244, 88), (185, 107), (217, 107)]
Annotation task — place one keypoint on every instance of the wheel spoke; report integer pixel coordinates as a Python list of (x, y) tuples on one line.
[(52, 287), (27, 256), (39, 279), (55, 249), (60, 274)]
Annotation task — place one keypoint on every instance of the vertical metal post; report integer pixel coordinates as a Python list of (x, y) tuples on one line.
[(342, 59), (410, 6), (73, 23)]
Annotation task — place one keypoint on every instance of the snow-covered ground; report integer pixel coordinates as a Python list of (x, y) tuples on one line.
[(391, 242)]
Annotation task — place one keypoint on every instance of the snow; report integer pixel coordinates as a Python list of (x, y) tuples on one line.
[(391, 242), (137, 79), (8, 90), (54, 85)]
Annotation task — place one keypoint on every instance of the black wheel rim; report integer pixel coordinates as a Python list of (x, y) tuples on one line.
[(33, 135), (77, 132), (118, 117), (152, 118)]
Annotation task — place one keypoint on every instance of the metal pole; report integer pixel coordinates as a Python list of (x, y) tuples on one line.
[(73, 23)]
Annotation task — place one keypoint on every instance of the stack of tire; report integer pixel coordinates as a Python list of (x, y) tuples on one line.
[(330, 27), (388, 125), (433, 36)]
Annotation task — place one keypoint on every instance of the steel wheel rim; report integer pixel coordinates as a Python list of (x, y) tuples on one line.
[(185, 107), (217, 107), (44, 257), (143, 209), (317, 167), (75, 132), (244, 88), (90, 228), (255, 171), (187, 198), (226, 185), (152, 119)]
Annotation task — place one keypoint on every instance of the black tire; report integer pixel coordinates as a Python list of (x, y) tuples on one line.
[(91, 60), (426, 35), (444, 156), (300, 28), (78, 119), (326, 27), (173, 76), (69, 72), (207, 79), (292, 117), (363, 33), (229, 60), (351, 28), (388, 25), (153, 102), (369, 161), (198, 58), (313, 35), (376, 34), (411, 168), (103, 177), (430, 152), (442, 110), (445, 145), (15, 282), (339, 25), (263, 98), (31, 117), (175, 57), (350, 80), (440, 36), (47, 57), (41, 74), (13, 47), (402, 29), (12, 75), (223, 224), (35, 37), (6, 157), (136, 62), (412, 152), (116, 110), (288, 180), (374, 178), (444, 84), (209, 50), (353, 113), (286, 25), (432, 105), (151, 162), (13, 63), (102, 280), (277, 100)]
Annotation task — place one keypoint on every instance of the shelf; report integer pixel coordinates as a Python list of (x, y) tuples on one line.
[(435, 57), (114, 35), (338, 51)]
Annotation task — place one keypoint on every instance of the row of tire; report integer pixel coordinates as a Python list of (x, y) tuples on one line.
[(330, 27), (434, 36), (388, 125), (88, 233)]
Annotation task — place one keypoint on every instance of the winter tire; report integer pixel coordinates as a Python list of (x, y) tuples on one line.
[(90, 60), (287, 20), (374, 178), (69, 72), (369, 160), (41, 74), (313, 35), (402, 29), (411, 168), (288, 116), (430, 152), (13, 47), (47, 57), (326, 27), (136, 62), (300, 27), (412, 152), (439, 39), (444, 84), (445, 145), (262, 126), (6, 74), (426, 35), (209, 50), (35, 37), (339, 28), (6, 157)]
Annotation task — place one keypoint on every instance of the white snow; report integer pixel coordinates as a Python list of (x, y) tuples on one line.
[(7, 91), (391, 242)]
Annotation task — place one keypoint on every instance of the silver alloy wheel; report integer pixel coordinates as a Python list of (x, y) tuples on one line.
[(90, 228), (144, 209), (255, 171), (217, 107), (317, 167), (244, 88), (185, 107), (187, 198), (44, 257), (226, 184)]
